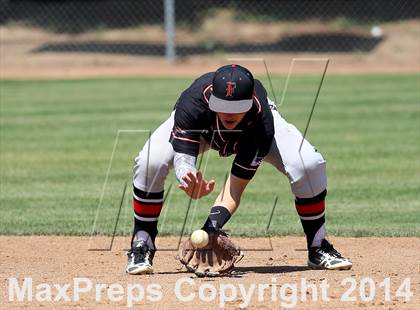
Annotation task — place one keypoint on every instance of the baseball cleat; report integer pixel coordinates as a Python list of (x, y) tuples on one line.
[(140, 258), (326, 257)]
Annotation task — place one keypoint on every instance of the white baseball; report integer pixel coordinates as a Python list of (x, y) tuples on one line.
[(199, 238), (376, 32)]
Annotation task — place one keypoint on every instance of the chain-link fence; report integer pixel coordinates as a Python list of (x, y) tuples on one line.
[(202, 27)]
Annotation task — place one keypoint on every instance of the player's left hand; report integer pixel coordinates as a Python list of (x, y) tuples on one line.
[(195, 186)]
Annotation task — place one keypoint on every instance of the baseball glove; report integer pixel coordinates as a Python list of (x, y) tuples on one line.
[(216, 259)]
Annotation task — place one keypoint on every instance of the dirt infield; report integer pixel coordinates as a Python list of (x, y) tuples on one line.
[(271, 279)]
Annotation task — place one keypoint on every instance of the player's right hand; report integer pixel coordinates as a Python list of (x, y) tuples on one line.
[(195, 186)]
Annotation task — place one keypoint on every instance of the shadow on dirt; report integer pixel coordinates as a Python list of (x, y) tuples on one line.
[(269, 269), (239, 272)]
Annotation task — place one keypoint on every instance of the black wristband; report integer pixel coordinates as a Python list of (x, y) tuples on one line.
[(217, 218)]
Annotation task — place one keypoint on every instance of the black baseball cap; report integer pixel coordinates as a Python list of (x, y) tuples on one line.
[(233, 88)]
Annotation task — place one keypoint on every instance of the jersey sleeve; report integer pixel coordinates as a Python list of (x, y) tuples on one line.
[(264, 129), (248, 159), (253, 149), (243, 169), (191, 117), (185, 136)]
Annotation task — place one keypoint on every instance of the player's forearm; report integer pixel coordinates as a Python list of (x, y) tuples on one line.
[(230, 196), (183, 164), (228, 200), (226, 203)]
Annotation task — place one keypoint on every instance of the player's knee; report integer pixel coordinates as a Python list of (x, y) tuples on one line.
[(313, 164), (308, 175), (306, 164), (150, 171)]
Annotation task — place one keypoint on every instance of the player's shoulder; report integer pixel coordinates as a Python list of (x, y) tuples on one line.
[(199, 89), (206, 78), (260, 103), (193, 102), (202, 84), (259, 89)]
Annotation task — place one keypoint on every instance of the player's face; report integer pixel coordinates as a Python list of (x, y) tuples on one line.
[(230, 120)]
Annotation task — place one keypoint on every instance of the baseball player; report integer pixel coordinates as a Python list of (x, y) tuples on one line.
[(228, 111)]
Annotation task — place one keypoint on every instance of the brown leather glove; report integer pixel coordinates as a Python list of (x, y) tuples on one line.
[(217, 258)]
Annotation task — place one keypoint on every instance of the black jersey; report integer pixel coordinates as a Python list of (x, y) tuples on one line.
[(194, 121)]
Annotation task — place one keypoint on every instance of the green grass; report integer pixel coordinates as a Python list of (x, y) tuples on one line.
[(57, 137)]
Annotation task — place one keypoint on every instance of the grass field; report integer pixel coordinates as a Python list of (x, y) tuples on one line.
[(57, 138)]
